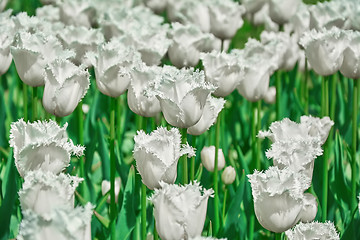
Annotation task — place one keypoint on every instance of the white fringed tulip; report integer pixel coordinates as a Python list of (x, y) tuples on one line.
[(65, 85), (157, 6), (7, 33), (157, 155), (208, 158), (228, 175), (41, 145), (182, 95), (188, 42), (139, 102), (278, 197), (225, 18), (300, 21), (262, 17), (77, 12), (318, 126), (324, 50), (281, 11), (350, 67), (81, 40), (206, 238), (48, 13), (253, 6), (112, 64), (42, 192), (223, 71), (105, 187), (63, 224), (180, 211), (212, 108), (313, 230), (31, 54)]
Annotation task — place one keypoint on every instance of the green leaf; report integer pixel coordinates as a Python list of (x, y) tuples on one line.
[(103, 150), (127, 218)]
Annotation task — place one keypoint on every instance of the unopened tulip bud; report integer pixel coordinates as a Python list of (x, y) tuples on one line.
[(208, 158), (105, 187), (228, 175)]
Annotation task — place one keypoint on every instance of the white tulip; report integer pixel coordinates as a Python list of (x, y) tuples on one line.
[(77, 12), (180, 211), (279, 197), (48, 13), (253, 6), (208, 158), (65, 85), (313, 230), (318, 126), (212, 108), (63, 224), (7, 33), (42, 192), (157, 6), (157, 155), (105, 187), (281, 11), (350, 67), (223, 70), (228, 175), (41, 145)]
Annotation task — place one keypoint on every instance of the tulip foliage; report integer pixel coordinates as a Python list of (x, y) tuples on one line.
[(179, 119)]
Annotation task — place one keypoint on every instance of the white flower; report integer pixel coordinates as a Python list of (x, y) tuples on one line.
[(112, 64), (281, 11), (309, 208), (262, 17), (182, 95), (32, 52), (212, 108), (350, 67), (318, 126), (223, 71), (206, 238), (188, 42), (3, 4), (41, 145), (225, 18), (49, 13), (313, 230), (228, 175), (278, 197), (77, 12), (65, 85), (180, 211), (253, 6), (157, 155), (42, 192), (270, 95), (157, 6), (81, 40), (208, 158), (63, 224), (105, 187), (7, 32), (300, 21), (139, 102), (324, 50)]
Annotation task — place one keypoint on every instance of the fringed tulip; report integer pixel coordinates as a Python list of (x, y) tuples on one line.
[(77, 12), (157, 155), (41, 145), (65, 85), (158, 6), (208, 158), (180, 211), (350, 67), (7, 33), (313, 230)]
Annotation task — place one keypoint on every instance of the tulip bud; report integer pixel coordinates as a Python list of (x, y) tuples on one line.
[(281, 12), (228, 175), (270, 95), (310, 208), (313, 230), (180, 211), (105, 187), (350, 68), (43, 192), (41, 145), (208, 158), (65, 85), (63, 223), (157, 155)]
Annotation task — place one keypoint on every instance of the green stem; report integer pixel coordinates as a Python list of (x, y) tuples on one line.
[(143, 211), (325, 177), (156, 236), (224, 203), (258, 127), (184, 157), (216, 172), (192, 161), (277, 236), (251, 223), (112, 168), (354, 145), (81, 142), (34, 104), (278, 95), (25, 102), (306, 89)]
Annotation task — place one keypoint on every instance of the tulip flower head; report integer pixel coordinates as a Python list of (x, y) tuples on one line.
[(140, 79), (7, 33), (279, 197), (350, 67), (32, 53), (182, 95), (77, 12), (208, 158), (105, 187), (212, 108), (313, 230), (62, 224), (41, 145), (157, 6), (112, 64), (223, 71), (324, 50), (157, 155), (42, 192), (49, 13), (180, 211), (65, 85), (228, 175), (281, 12)]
